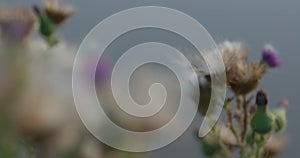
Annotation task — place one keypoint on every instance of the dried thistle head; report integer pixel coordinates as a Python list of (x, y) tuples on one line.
[(17, 24), (232, 53), (57, 13), (244, 77)]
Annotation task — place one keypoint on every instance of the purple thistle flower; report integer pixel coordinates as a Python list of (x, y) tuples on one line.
[(262, 98), (271, 57)]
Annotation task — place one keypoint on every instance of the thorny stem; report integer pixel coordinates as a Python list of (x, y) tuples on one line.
[(253, 144), (238, 103), (245, 122), (230, 120), (238, 111), (260, 147), (244, 125)]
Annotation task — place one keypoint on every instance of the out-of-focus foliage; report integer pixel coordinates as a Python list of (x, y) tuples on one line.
[(37, 114)]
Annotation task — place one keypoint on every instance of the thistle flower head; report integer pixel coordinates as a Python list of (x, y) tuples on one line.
[(57, 13), (244, 77), (262, 98), (233, 52), (17, 24), (270, 56)]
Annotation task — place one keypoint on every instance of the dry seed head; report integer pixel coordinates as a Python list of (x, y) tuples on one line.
[(57, 13), (244, 77), (233, 52)]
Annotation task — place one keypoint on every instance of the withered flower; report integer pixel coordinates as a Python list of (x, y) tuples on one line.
[(244, 77), (56, 13), (17, 24), (232, 53)]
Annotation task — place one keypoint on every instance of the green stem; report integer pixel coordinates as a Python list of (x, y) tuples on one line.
[(244, 125), (245, 122), (260, 147), (231, 126)]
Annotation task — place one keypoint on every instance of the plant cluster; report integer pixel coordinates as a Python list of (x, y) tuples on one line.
[(249, 128)]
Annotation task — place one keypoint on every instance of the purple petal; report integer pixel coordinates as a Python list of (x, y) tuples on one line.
[(271, 57)]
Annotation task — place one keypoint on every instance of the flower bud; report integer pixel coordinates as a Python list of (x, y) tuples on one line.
[(262, 98)]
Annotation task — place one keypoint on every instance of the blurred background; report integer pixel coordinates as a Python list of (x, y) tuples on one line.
[(254, 22)]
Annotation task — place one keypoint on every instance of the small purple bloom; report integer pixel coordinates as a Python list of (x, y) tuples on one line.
[(270, 56), (262, 98)]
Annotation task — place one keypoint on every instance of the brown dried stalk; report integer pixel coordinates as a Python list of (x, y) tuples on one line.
[(245, 121)]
